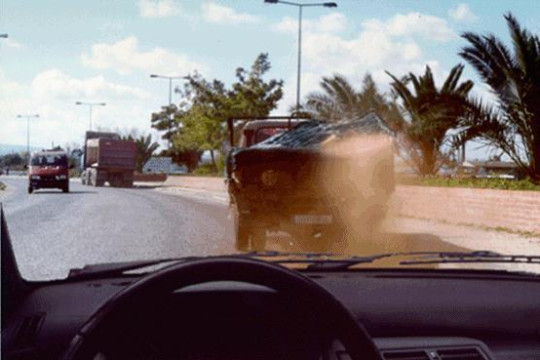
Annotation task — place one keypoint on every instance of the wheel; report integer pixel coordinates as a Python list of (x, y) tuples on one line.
[(65, 188), (249, 232), (241, 229), (30, 189), (92, 179), (258, 238), (312, 305)]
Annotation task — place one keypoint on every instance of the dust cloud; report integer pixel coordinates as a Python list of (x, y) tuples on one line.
[(358, 177)]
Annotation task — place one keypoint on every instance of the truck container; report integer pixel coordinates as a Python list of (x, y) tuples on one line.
[(108, 159)]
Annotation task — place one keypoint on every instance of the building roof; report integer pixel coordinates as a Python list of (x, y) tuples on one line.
[(491, 164), (253, 125), (49, 152)]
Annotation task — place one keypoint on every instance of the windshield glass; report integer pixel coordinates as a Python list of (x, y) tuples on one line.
[(265, 133), (230, 127), (49, 160)]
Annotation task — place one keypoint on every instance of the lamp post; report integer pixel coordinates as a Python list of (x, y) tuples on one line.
[(300, 7), (28, 117), (90, 106), (170, 78)]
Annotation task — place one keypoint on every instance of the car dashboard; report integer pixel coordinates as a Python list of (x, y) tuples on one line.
[(411, 315)]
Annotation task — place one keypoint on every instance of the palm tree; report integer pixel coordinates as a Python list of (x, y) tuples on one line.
[(431, 114), (144, 149), (339, 100), (514, 78)]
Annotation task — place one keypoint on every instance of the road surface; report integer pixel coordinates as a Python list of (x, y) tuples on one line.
[(53, 232)]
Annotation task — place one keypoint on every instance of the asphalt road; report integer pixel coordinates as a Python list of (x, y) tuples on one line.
[(53, 232)]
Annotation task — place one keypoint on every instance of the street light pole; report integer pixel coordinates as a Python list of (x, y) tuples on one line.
[(300, 8), (299, 68), (170, 78), (28, 133), (90, 106)]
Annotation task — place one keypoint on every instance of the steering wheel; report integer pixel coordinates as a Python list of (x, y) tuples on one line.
[(330, 312)]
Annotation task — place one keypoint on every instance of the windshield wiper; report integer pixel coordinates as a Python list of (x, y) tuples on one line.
[(331, 263), (314, 261), (472, 257)]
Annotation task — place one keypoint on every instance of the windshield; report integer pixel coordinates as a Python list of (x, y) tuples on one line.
[(346, 128), (265, 133), (49, 160)]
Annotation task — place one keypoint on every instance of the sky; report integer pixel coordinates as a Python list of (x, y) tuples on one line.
[(60, 52)]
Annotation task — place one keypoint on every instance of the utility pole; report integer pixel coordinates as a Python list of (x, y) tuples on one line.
[(300, 6), (28, 117), (170, 79), (90, 106)]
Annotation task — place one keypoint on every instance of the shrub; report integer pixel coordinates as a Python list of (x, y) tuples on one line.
[(503, 184), (205, 170)]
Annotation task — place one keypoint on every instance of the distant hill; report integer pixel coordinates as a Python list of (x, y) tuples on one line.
[(8, 149)]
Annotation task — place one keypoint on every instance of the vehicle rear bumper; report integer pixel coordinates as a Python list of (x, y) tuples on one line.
[(48, 183)]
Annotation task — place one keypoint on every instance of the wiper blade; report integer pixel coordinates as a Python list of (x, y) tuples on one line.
[(331, 263), (328, 261), (472, 257)]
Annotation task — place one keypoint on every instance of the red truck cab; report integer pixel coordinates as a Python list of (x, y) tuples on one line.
[(48, 169)]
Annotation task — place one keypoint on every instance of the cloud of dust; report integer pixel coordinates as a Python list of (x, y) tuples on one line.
[(358, 178)]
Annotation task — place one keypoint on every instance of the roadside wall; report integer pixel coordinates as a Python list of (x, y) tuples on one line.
[(197, 182), (514, 210)]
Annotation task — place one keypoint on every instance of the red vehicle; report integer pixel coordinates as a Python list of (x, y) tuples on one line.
[(48, 169)]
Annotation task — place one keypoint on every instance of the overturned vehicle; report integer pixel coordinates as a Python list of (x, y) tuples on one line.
[(318, 185)]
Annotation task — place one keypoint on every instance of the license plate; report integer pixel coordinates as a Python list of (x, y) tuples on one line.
[(312, 219)]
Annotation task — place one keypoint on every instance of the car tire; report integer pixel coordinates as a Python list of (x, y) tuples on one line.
[(65, 189), (258, 239), (30, 189), (241, 229)]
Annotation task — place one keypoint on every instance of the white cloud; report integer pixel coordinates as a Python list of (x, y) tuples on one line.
[(381, 45), (219, 14), (125, 56), (414, 23), (57, 85), (329, 23), (462, 13), (9, 42), (52, 95), (158, 8)]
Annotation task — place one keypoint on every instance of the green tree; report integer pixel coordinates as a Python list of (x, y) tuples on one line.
[(12, 160), (200, 119), (514, 78), (431, 114)]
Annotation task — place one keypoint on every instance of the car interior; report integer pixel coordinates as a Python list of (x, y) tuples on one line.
[(243, 308)]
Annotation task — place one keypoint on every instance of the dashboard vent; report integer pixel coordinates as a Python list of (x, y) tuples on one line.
[(461, 354), (28, 330), (405, 355)]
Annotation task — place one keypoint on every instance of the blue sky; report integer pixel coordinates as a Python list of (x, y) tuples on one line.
[(60, 52)]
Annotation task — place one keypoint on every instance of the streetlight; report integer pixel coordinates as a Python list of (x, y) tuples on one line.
[(90, 106), (300, 6), (28, 117), (170, 78)]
